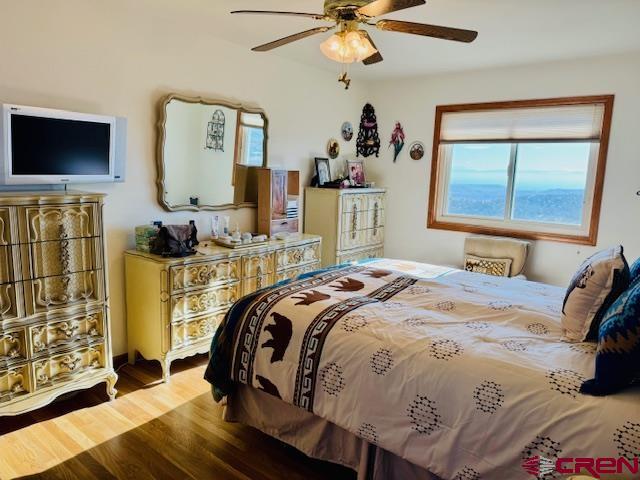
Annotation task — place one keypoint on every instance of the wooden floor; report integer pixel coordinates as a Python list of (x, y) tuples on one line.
[(152, 430)]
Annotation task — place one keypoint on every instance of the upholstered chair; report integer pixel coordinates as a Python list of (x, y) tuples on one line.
[(496, 255)]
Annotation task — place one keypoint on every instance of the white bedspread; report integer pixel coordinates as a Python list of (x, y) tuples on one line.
[(462, 374)]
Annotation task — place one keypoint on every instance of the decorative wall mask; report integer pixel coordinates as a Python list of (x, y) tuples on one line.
[(333, 148), (347, 131), (368, 139), (416, 150), (215, 132), (397, 140)]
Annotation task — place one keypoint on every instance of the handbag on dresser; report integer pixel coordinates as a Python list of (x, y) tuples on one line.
[(176, 240)]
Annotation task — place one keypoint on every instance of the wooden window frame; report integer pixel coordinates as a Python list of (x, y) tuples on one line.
[(437, 162)]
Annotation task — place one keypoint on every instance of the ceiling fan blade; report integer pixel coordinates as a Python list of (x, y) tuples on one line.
[(376, 57), (291, 38), (444, 33), (382, 7), (315, 16)]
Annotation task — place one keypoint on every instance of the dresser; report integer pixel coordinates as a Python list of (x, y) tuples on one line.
[(350, 221), (174, 305), (54, 316)]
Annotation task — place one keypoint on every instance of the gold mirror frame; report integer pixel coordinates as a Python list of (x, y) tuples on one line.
[(162, 134)]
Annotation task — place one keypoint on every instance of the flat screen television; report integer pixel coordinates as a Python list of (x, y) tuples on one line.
[(44, 146)]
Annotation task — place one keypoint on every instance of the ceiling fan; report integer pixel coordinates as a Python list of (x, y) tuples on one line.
[(352, 44)]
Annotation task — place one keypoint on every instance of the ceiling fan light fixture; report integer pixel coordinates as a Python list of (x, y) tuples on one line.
[(348, 47)]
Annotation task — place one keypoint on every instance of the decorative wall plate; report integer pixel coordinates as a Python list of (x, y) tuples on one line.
[(333, 148), (416, 150), (347, 131)]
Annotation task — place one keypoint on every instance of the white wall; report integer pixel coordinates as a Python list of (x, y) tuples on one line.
[(120, 57), (413, 103)]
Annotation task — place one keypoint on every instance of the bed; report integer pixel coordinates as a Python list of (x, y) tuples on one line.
[(405, 370)]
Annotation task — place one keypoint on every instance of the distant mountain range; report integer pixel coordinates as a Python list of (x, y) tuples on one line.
[(550, 206)]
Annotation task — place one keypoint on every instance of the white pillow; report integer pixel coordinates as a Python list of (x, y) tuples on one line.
[(599, 281)]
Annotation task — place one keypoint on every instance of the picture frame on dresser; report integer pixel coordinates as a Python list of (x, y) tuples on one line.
[(323, 171), (355, 169), (55, 334), (174, 305)]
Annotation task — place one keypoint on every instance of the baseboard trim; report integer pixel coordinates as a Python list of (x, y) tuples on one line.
[(120, 360)]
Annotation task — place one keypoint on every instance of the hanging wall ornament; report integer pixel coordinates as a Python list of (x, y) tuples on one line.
[(397, 140), (333, 148), (368, 139), (347, 131), (416, 150), (215, 132)]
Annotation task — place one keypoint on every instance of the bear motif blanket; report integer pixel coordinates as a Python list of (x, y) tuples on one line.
[(463, 374)]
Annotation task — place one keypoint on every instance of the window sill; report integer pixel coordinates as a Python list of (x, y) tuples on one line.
[(590, 239)]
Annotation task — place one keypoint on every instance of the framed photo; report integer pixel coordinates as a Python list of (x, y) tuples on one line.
[(323, 171), (356, 172)]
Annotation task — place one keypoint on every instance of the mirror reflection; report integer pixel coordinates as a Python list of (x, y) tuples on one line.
[(208, 152)]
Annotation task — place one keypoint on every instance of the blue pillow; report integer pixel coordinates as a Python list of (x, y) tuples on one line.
[(635, 271), (618, 356)]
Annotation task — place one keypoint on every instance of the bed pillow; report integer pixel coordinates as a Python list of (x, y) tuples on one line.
[(618, 355), (635, 271), (599, 281), (500, 267)]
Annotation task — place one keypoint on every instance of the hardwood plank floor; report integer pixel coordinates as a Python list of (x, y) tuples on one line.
[(151, 431)]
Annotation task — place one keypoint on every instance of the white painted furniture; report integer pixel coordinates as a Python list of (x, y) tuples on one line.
[(174, 305), (54, 315), (350, 221)]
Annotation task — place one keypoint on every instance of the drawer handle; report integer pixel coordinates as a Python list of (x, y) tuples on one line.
[(259, 279), (67, 330), (375, 218), (354, 222), (12, 341), (65, 256), (70, 363), (17, 388)]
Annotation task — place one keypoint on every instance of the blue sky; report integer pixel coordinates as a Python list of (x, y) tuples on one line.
[(540, 166)]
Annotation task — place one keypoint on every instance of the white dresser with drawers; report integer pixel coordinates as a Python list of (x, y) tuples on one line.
[(54, 317), (174, 305), (350, 221)]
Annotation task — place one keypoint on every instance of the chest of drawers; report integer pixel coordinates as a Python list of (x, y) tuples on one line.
[(54, 323), (350, 221), (175, 305)]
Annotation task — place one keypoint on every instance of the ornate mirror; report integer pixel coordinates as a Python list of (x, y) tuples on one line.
[(207, 153)]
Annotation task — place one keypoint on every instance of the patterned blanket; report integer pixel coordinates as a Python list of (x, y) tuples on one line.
[(465, 375)]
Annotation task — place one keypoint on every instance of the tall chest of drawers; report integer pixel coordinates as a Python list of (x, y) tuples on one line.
[(54, 318), (350, 221), (174, 305)]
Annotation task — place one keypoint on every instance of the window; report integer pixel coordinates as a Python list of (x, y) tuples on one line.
[(253, 140), (251, 128), (530, 169)]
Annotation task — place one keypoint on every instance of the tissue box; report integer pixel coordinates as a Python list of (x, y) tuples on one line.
[(145, 234)]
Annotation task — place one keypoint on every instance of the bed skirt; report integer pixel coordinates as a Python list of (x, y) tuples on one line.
[(316, 437)]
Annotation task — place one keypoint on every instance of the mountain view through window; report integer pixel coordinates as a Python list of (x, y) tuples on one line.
[(547, 182)]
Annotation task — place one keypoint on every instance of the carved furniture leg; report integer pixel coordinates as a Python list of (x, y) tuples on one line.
[(166, 370), (111, 386)]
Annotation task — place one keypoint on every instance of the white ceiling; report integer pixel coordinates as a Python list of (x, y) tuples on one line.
[(511, 32)]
